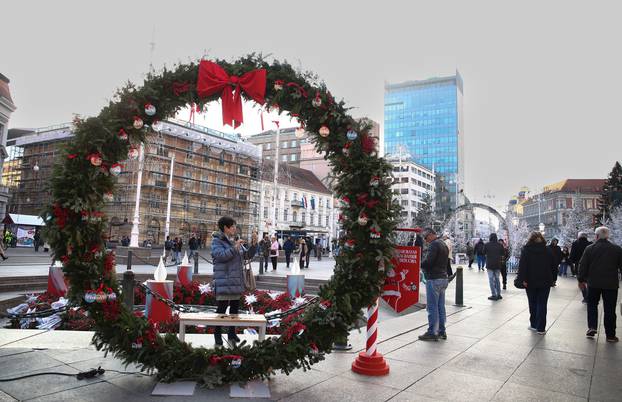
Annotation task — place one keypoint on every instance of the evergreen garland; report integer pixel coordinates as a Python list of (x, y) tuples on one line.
[(76, 228)]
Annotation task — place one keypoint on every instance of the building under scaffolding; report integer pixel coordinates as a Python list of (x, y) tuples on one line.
[(214, 174)]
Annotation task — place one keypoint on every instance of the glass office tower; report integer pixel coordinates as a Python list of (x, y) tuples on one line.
[(423, 120)]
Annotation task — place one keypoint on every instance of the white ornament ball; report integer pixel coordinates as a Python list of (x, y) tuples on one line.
[(132, 153), (115, 169), (138, 123), (150, 110), (157, 126)]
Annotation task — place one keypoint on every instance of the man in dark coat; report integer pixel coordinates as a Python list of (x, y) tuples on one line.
[(288, 247), (576, 252), (479, 255), (309, 248), (494, 255), (470, 252), (193, 245), (598, 271), (434, 266)]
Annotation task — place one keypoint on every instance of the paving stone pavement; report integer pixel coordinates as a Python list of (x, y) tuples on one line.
[(489, 355)]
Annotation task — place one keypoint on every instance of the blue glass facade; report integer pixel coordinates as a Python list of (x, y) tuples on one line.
[(424, 119)]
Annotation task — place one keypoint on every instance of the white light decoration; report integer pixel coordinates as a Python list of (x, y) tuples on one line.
[(184, 261), (160, 272)]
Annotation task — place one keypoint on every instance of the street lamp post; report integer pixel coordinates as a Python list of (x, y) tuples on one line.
[(276, 175), (135, 224), (170, 194)]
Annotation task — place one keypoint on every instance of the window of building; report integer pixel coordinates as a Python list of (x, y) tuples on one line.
[(285, 214), (327, 220), (292, 158), (303, 216), (284, 144), (295, 216), (276, 213), (267, 146), (243, 170), (220, 188), (284, 158), (265, 212), (189, 151), (404, 191), (293, 144), (203, 208), (186, 203)]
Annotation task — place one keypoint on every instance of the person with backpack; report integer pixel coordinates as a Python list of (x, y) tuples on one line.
[(576, 252)]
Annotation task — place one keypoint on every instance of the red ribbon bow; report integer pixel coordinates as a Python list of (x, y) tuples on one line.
[(214, 79)]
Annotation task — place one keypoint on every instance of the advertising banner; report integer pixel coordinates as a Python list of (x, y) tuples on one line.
[(401, 287)]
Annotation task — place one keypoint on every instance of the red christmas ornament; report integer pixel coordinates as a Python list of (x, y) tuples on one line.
[(375, 181), (317, 101), (361, 199), (350, 243), (72, 156), (95, 159), (278, 85), (122, 135), (346, 149), (345, 202), (374, 232)]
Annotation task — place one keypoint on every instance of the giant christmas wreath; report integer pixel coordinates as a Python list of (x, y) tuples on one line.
[(85, 178)]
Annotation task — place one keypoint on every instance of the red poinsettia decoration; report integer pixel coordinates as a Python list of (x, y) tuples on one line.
[(60, 214), (361, 199), (297, 328)]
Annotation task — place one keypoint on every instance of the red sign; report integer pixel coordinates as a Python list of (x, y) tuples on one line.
[(401, 287)]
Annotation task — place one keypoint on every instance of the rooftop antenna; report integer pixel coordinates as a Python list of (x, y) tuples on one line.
[(151, 49)]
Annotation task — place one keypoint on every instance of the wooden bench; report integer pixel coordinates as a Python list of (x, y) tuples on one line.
[(222, 320)]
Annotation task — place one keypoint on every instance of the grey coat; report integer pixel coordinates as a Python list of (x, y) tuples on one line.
[(228, 273)]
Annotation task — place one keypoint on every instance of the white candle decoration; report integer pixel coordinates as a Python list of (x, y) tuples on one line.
[(184, 261), (160, 272)]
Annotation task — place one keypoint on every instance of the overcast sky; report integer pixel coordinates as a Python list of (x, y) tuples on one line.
[(542, 79)]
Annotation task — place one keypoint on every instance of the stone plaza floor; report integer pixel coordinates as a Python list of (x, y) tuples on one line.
[(489, 355)]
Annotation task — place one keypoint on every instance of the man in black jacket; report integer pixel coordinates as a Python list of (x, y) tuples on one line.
[(576, 252), (598, 271), (434, 266)]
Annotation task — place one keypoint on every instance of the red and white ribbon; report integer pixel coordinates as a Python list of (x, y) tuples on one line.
[(372, 329)]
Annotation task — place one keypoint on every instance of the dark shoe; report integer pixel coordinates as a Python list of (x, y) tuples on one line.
[(218, 341), (4, 258), (591, 333), (505, 287), (492, 297), (428, 337), (442, 335), (499, 297), (612, 339)]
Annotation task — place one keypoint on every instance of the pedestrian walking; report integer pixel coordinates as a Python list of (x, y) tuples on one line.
[(576, 252), (37, 240), (168, 247), (288, 248), (557, 253), (4, 257), (494, 253), (193, 245), (598, 271), (274, 252), (504, 264), (470, 251), (434, 266), (178, 245), (537, 272), (264, 253), (565, 262), (480, 255), (228, 273), (304, 250), (309, 248)]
